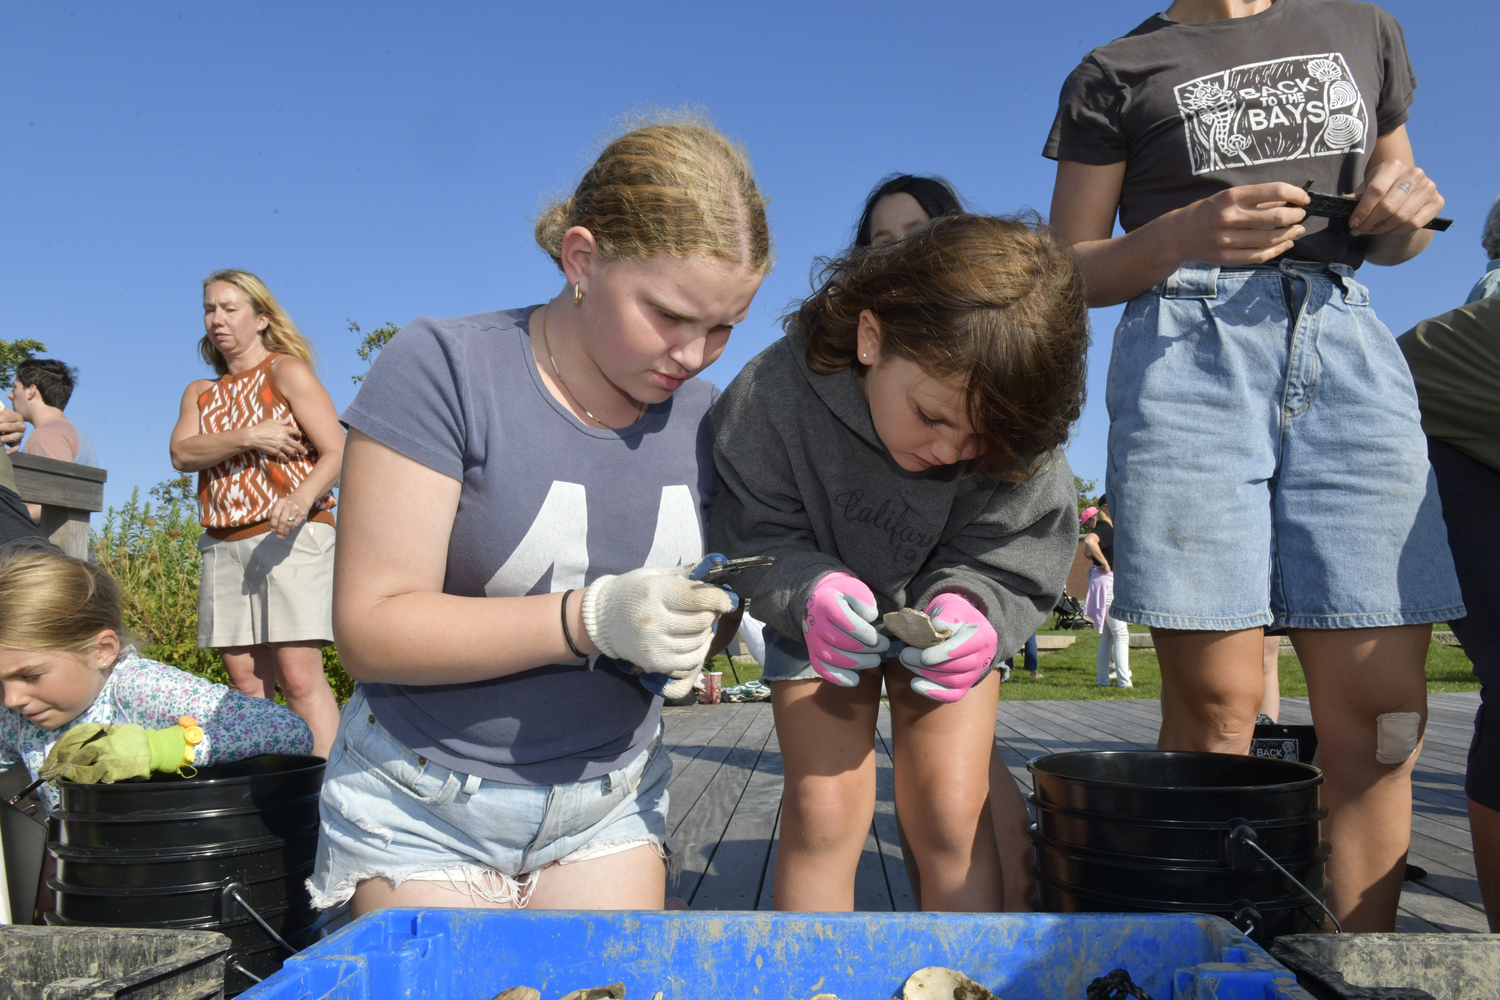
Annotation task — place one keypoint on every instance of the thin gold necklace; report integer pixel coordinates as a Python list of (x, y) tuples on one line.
[(558, 374)]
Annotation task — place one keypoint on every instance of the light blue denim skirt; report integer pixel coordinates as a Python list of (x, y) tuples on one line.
[(388, 812), (1267, 465)]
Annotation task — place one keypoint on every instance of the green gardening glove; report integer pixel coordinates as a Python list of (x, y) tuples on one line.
[(93, 753)]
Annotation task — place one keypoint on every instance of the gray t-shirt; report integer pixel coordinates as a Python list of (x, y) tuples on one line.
[(1297, 92), (547, 504)]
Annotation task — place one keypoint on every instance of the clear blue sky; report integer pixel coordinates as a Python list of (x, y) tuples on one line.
[(382, 161)]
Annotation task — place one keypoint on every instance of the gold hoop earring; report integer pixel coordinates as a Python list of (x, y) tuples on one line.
[(577, 293)]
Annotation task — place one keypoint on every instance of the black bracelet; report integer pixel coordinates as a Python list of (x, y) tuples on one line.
[(566, 634)]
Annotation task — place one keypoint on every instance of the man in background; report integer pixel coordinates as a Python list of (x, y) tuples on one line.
[(40, 393)]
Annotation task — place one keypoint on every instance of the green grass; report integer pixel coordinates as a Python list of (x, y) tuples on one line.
[(1068, 674)]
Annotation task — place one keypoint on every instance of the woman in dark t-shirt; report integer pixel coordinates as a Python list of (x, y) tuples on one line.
[(1257, 404)]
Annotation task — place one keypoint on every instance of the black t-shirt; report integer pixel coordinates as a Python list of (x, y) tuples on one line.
[(1196, 108), (1106, 534), (15, 522)]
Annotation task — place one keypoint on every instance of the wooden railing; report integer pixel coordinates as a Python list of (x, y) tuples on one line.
[(67, 494)]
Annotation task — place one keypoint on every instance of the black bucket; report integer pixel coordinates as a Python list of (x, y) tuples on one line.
[(1180, 832), (212, 852)]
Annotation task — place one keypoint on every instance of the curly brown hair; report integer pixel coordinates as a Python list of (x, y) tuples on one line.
[(992, 303)]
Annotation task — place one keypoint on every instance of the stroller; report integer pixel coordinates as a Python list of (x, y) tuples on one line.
[(1070, 614)]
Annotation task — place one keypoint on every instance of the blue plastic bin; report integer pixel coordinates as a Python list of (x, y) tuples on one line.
[(472, 955)]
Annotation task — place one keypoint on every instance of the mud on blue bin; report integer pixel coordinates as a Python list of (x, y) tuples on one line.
[(473, 955)]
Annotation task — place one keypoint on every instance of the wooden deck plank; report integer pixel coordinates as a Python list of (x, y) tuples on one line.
[(737, 871), (871, 891), (899, 893), (702, 828), (767, 900), (726, 798), (686, 788)]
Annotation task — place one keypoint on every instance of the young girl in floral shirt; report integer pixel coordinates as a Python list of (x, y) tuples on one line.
[(81, 704)]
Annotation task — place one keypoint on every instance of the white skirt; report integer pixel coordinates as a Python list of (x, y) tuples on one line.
[(266, 589)]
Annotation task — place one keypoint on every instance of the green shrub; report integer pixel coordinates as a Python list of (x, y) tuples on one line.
[(152, 551)]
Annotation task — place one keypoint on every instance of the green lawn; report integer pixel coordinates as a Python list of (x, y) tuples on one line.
[(1068, 674)]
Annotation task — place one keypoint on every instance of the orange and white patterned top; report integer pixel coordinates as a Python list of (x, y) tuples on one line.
[(236, 495)]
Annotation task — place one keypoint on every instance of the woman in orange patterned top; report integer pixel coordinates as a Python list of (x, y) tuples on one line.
[(266, 443)]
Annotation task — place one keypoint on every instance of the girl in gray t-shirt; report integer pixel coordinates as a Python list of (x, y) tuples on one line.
[(522, 500), (900, 448)]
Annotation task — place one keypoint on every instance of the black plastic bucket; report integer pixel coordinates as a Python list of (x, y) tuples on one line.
[(211, 852), (1167, 832), (86, 868)]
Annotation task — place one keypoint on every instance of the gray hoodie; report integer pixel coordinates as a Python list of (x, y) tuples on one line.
[(804, 477)]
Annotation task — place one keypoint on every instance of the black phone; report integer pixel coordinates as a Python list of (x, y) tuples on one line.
[(1332, 206)]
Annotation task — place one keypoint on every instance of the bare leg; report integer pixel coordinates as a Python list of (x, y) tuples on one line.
[(1354, 675), (1211, 686), (1484, 827), (827, 736), (252, 670), (299, 668), (1270, 669), (631, 880), (1012, 826), (942, 759)]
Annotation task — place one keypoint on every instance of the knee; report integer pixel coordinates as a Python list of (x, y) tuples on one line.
[(1209, 727), (302, 680), (945, 819), (830, 812)]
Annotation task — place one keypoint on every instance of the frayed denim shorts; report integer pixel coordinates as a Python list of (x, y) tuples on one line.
[(388, 812), (1267, 465), (789, 660)]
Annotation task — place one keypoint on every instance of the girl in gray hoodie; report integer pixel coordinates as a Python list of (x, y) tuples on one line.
[(900, 447)]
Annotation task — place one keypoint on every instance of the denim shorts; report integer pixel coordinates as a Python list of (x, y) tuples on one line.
[(789, 660), (1266, 458), (388, 812)]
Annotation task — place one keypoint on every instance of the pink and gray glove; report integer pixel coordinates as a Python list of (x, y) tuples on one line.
[(838, 629), (947, 671)]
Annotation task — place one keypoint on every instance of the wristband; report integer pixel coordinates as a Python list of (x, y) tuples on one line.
[(566, 634)]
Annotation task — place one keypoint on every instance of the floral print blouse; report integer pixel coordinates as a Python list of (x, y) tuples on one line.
[(154, 695)]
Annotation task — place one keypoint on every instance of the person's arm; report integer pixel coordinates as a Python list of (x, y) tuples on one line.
[(193, 451), (1240, 225), (1395, 202), (393, 623), (311, 405), (1095, 553), (235, 726), (757, 510)]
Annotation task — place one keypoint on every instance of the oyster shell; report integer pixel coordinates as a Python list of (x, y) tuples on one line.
[(938, 983), (914, 628)]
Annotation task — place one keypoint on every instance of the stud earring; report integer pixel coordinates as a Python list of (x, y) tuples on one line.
[(577, 293)]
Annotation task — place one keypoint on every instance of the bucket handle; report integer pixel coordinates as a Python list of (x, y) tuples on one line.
[(232, 891), (237, 967), (1242, 836)]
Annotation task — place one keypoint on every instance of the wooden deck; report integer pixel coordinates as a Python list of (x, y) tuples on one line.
[(726, 799)]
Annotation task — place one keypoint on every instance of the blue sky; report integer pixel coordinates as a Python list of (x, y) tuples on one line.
[(378, 161)]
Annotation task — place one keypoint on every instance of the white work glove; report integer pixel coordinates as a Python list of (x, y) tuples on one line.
[(678, 687), (655, 618)]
